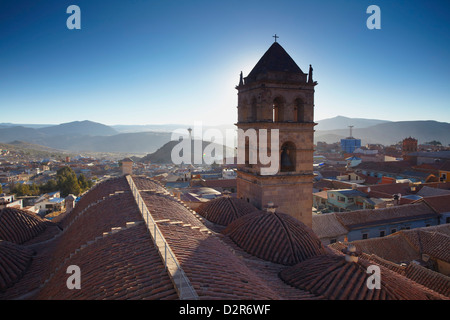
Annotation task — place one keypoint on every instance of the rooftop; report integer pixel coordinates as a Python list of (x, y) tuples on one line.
[(107, 237)]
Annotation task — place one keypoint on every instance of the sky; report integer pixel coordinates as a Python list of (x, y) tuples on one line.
[(177, 62)]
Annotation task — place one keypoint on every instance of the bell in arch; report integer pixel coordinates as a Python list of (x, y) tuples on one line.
[(286, 163)]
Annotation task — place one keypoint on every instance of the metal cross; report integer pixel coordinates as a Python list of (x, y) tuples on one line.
[(275, 36)]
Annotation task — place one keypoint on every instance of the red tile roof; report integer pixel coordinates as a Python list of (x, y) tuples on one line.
[(121, 262), (19, 226), (225, 210), (336, 279), (14, 260), (275, 237), (440, 204), (123, 265), (361, 218), (428, 278)]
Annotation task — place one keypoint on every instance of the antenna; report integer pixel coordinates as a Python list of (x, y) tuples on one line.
[(351, 127)]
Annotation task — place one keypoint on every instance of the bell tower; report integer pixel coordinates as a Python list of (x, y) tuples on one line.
[(276, 94)]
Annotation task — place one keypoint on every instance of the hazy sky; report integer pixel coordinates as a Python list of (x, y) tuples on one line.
[(178, 61)]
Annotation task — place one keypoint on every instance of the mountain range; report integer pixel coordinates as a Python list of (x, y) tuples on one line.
[(88, 136)]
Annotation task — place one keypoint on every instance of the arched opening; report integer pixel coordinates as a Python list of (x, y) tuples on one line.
[(288, 157), (299, 110), (278, 109)]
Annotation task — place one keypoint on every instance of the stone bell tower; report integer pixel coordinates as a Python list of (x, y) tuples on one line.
[(276, 94)]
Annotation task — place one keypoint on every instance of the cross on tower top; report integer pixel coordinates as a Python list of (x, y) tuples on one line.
[(275, 36)]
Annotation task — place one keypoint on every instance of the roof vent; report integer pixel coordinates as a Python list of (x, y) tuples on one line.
[(351, 254), (270, 207)]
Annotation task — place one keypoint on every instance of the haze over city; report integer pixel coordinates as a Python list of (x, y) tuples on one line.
[(153, 62)]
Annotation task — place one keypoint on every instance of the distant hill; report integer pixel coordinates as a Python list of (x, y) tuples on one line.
[(83, 136), (88, 136), (392, 132), (341, 122), (34, 150), (79, 128), (164, 154)]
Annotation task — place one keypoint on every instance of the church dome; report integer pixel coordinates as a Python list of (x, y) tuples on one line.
[(14, 260), (225, 210), (19, 226), (276, 237)]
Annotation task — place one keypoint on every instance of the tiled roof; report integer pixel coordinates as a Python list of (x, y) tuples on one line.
[(213, 270), (432, 243), (393, 248), (225, 210), (145, 183), (14, 260), (440, 204), (275, 237), (426, 191), (123, 265), (276, 59), (106, 237), (19, 226), (327, 225), (428, 278), (360, 218), (336, 279)]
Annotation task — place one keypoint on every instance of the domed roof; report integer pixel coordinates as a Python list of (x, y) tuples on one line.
[(19, 226), (335, 278), (275, 237), (14, 260), (225, 210)]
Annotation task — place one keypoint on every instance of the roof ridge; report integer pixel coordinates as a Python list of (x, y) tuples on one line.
[(289, 236)]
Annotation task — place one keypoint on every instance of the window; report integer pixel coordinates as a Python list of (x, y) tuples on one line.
[(299, 110), (382, 233), (365, 236), (278, 109), (333, 241), (447, 220), (341, 199), (393, 230)]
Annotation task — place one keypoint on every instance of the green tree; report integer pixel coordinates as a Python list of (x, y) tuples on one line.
[(83, 182), (49, 186), (21, 189), (67, 182)]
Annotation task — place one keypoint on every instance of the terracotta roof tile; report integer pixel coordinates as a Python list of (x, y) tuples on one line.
[(225, 210), (360, 218), (276, 237), (336, 279), (20, 226), (14, 260), (327, 225), (133, 270), (430, 279)]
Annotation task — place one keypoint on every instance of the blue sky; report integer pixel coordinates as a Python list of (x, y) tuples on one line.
[(174, 61)]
